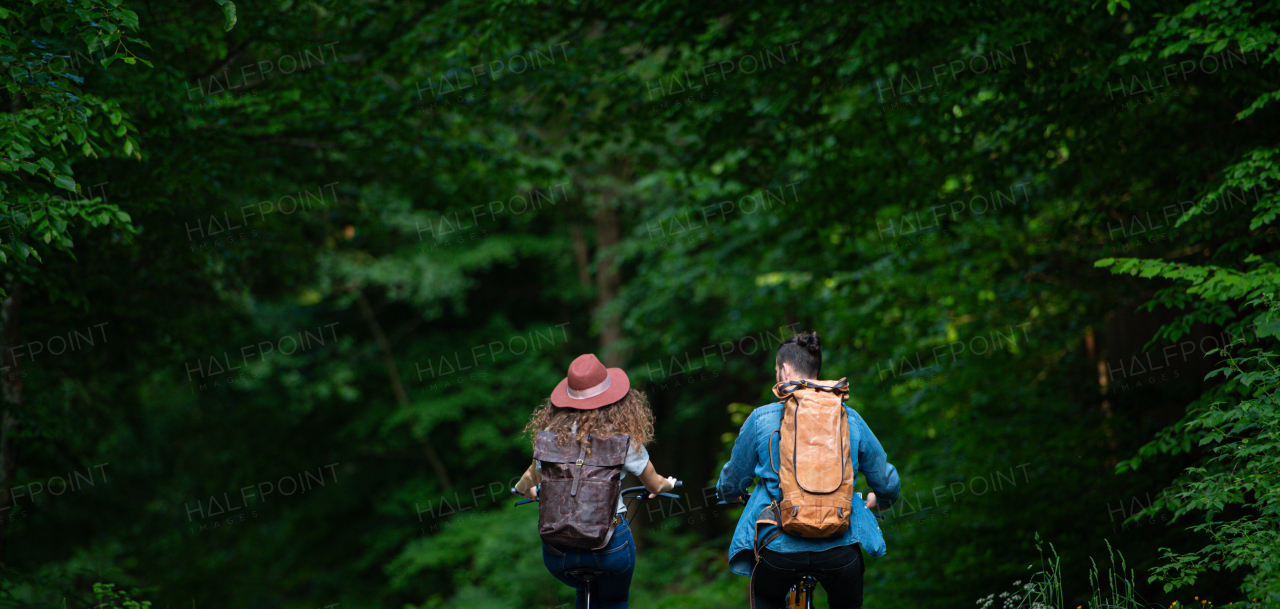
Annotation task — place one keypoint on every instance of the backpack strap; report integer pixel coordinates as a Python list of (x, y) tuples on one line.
[(769, 447), (784, 390), (768, 515), (577, 472), (841, 386)]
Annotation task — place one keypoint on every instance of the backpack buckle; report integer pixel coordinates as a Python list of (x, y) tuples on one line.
[(578, 462)]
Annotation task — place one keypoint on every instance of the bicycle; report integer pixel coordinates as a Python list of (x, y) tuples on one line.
[(588, 574), (801, 594)]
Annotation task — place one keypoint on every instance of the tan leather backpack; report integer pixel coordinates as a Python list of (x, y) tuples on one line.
[(816, 475)]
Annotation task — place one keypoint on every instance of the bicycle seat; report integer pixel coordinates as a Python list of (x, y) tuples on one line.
[(585, 574)]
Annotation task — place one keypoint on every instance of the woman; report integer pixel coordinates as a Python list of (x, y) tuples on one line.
[(594, 401)]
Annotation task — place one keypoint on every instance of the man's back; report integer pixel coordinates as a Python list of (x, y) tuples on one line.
[(835, 561), (757, 444)]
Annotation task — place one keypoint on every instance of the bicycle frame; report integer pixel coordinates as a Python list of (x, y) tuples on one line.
[(801, 595)]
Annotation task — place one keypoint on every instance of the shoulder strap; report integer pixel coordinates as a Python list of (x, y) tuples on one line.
[(768, 515), (769, 447), (577, 472)]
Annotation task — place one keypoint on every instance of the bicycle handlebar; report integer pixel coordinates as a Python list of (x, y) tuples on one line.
[(744, 498), (641, 493)]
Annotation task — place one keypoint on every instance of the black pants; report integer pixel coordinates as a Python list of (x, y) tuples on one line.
[(839, 570)]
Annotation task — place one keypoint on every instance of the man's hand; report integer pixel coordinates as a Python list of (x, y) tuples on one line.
[(529, 493), (871, 502)]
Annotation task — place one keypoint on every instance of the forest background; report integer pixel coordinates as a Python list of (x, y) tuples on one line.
[(283, 281)]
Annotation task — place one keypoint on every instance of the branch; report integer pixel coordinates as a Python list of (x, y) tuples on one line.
[(397, 387), (232, 54)]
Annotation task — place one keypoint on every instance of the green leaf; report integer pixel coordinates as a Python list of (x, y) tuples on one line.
[(129, 19), (65, 182), (229, 10)]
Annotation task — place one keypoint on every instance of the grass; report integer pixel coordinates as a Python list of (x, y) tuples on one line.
[(1113, 590)]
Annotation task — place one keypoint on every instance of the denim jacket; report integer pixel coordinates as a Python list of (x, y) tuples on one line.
[(750, 459)]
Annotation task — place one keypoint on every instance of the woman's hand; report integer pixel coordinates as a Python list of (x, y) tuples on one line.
[(653, 482), (528, 484), (668, 484)]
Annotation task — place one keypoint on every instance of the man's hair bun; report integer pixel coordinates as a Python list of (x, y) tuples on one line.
[(804, 352), (809, 342)]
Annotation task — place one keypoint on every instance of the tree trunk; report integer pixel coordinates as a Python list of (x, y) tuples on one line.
[(608, 281), (397, 387), (9, 425), (581, 256)]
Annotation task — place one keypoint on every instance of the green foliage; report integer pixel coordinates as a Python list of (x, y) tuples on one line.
[(105, 595), (1043, 590), (229, 10), (1116, 589), (807, 193), (51, 123), (1235, 489)]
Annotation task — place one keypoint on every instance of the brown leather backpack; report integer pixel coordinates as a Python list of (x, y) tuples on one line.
[(578, 499), (816, 475)]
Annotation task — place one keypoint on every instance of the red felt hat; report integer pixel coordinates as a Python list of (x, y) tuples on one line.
[(590, 385)]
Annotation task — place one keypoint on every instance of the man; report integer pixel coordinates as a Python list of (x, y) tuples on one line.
[(835, 561)]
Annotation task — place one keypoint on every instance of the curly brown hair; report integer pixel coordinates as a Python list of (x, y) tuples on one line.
[(629, 416)]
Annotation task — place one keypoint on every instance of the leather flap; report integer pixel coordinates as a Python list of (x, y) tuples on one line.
[(821, 436), (605, 452)]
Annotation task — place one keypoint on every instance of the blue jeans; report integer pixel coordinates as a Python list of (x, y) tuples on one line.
[(618, 560)]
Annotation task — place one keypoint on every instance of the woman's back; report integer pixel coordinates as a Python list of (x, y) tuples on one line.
[(591, 431)]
